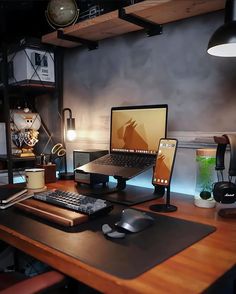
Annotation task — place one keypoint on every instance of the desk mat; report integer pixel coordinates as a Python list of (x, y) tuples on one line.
[(125, 258)]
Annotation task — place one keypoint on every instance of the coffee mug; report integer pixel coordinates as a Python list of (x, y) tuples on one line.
[(35, 178)]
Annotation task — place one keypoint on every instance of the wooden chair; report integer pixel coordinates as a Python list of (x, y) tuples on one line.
[(13, 283)]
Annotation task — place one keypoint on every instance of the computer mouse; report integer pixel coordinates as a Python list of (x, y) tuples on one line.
[(134, 221)]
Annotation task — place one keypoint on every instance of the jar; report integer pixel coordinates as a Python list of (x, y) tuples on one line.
[(205, 177)]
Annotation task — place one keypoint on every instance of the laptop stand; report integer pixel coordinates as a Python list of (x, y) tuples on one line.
[(126, 194)]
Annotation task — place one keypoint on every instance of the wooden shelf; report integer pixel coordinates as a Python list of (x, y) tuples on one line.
[(4, 157), (110, 25)]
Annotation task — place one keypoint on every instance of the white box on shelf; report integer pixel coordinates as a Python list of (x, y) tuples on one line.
[(31, 66)]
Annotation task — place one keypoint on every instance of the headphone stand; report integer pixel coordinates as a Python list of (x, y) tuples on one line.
[(225, 191), (167, 207), (227, 212)]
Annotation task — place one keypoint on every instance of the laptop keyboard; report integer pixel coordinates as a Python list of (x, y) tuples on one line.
[(124, 160), (74, 201)]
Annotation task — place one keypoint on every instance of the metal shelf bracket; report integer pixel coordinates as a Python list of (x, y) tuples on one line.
[(151, 28), (90, 44)]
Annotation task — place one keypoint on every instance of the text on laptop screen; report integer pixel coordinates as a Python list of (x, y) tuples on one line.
[(138, 129)]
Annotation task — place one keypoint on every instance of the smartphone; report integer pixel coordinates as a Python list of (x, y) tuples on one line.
[(164, 162)]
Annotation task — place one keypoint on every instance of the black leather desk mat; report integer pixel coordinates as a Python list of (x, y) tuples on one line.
[(125, 258)]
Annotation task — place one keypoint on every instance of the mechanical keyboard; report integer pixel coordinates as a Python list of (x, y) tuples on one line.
[(74, 201), (125, 160)]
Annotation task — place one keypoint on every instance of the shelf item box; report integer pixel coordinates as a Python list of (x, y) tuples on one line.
[(92, 8), (81, 157), (29, 66)]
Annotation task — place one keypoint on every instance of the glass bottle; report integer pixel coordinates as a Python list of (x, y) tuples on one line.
[(205, 177)]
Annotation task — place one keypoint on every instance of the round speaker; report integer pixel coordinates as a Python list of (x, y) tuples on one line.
[(224, 192)]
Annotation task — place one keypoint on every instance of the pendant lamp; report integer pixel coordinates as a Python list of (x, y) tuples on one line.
[(223, 41)]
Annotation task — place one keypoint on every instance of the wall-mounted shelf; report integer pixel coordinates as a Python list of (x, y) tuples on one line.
[(110, 24), (29, 86), (23, 85), (4, 157)]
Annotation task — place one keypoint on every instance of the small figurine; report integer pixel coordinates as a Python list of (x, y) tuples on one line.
[(24, 127)]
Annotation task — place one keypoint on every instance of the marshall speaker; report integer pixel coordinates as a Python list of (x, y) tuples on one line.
[(81, 157), (225, 191)]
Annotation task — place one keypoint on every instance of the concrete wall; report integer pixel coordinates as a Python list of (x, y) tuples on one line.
[(172, 68)]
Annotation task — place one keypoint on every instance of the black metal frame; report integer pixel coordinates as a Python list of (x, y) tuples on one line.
[(6, 113), (151, 28), (90, 44)]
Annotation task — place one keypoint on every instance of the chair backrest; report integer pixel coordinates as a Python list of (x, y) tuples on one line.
[(15, 285)]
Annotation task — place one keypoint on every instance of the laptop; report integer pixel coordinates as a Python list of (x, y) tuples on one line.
[(135, 132)]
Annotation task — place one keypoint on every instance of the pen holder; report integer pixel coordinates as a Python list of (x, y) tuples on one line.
[(50, 172)]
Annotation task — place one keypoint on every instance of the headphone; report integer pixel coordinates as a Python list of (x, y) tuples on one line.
[(225, 191)]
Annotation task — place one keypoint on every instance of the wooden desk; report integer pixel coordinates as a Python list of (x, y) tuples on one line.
[(190, 271)]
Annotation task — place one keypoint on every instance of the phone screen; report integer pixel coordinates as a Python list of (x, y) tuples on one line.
[(164, 162)]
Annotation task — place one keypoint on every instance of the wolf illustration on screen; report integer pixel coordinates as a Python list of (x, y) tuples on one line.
[(130, 135)]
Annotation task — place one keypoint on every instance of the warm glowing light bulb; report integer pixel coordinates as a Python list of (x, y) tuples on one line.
[(71, 135)]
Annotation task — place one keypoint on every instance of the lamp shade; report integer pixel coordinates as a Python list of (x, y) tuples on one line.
[(223, 41), (70, 123), (70, 133)]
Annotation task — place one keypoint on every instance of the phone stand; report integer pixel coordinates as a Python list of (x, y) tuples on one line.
[(159, 191), (166, 207)]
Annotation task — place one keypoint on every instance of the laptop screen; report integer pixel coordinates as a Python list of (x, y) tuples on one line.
[(138, 129)]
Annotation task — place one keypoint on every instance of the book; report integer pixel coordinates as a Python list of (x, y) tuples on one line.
[(8, 194), (16, 200)]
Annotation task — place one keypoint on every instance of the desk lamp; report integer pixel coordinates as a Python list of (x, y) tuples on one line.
[(69, 134), (223, 41)]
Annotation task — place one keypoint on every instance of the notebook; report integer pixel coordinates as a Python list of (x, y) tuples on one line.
[(8, 194), (135, 132), (12, 195)]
